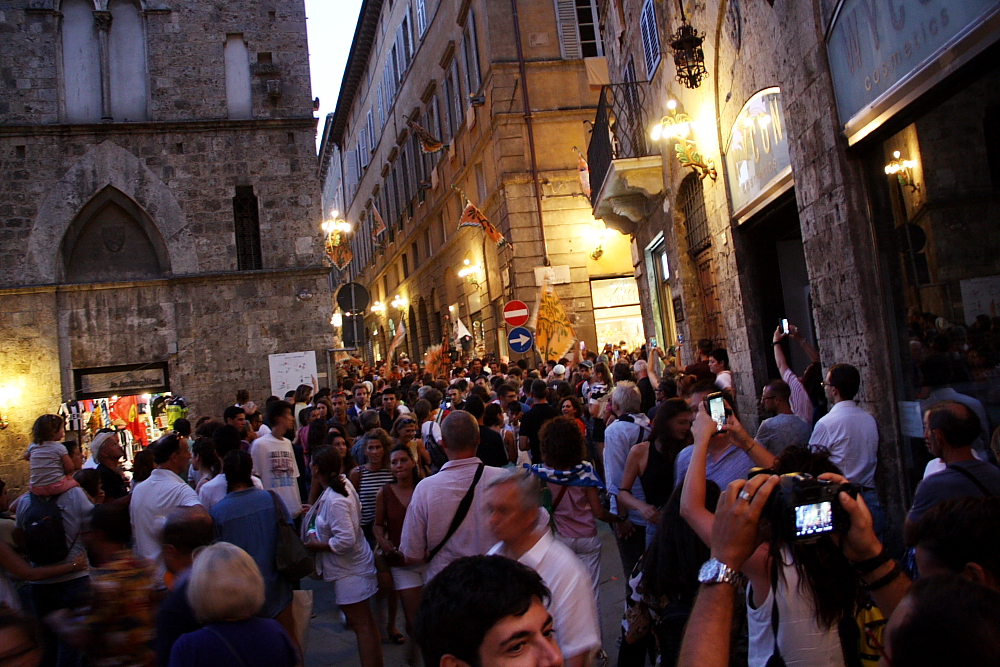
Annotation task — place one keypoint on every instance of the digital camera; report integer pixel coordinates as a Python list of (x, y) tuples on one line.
[(809, 507)]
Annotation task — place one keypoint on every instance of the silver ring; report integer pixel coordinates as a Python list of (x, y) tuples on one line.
[(743, 495)]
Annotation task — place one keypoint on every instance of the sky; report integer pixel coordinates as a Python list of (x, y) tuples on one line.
[(330, 24)]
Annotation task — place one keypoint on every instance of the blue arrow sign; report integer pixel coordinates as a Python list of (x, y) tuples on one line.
[(520, 340)]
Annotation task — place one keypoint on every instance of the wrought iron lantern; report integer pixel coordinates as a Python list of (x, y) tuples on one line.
[(689, 57)]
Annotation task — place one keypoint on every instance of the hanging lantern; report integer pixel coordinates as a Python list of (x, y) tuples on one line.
[(689, 58)]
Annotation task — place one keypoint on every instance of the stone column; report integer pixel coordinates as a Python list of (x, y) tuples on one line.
[(103, 21)]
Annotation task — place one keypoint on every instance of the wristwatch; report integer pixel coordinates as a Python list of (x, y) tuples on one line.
[(716, 572)]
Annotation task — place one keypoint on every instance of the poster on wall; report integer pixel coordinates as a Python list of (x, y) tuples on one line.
[(980, 296), (290, 369)]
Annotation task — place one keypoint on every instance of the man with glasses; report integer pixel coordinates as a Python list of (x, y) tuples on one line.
[(784, 428)]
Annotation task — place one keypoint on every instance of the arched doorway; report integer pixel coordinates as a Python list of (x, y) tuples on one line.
[(112, 240)]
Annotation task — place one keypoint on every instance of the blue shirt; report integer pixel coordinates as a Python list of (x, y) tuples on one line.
[(253, 642), (246, 518), (782, 431), (732, 465)]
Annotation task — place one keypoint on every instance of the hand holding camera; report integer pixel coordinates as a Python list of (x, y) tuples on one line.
[(737, 519), (859, 542)]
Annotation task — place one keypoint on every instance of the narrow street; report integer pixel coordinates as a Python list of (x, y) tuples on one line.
[(331, 645)]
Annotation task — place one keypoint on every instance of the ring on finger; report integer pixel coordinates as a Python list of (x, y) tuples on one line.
[(743, 495)]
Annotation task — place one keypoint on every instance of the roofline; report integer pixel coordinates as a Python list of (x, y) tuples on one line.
[(325, 148), (361, 47)]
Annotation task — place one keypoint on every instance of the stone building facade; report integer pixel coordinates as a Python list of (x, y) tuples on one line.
[(836, 131), (159, 205), (510, 118)]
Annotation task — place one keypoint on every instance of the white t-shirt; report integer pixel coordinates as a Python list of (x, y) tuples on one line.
[(46, 463), (274, 463), (151, 503), (851, 435), (573, 609), (214, 489)]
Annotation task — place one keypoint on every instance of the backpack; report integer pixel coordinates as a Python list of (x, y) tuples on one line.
[(438, 455), (44, 532)]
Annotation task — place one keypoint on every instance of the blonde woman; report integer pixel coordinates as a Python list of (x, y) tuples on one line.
[(225, 591)]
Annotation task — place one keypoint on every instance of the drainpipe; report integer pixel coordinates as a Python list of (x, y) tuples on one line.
[(528, 122)]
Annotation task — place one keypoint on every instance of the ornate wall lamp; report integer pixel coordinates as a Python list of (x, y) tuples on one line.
[(689, 58), (471, 272), (378, 308), (676, 127), (901, 170), (337, 245), (399, 303)]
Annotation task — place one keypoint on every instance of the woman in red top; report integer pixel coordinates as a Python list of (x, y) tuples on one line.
[(390, 512), (570, 407)]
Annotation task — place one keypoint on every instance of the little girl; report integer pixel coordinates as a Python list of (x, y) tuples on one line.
[(51, 466)]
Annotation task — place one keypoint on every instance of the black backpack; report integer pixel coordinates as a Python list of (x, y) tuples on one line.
[(44, 532), (434, 448)]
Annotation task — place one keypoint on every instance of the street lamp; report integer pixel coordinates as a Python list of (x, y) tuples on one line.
[(399, 303), (378, 308), (470, 272), (676, 125), (337, 247)]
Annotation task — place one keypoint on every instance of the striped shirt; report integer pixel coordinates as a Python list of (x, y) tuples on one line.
[(371, 482)]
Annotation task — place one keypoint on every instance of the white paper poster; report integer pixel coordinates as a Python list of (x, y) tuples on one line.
[(291, 369), (911, 421), (980, 296)]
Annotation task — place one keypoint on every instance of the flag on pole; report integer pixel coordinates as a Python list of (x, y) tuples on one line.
[(583, 170), (378, 226), (461, 331), (400, 335), (473, 217), (428, 144), (554, 335), (339, 250)]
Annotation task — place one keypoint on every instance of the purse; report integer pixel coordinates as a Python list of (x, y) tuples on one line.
[(291, 557)]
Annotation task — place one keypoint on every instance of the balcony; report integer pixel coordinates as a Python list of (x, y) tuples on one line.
[(626, 176)]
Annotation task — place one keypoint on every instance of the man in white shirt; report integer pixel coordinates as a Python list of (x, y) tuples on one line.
[(216, 488), (436, 501), (155, 497), (274, 459), (850, 434), (513, 500)]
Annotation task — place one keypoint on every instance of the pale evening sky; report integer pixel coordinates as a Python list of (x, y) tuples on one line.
[(331, 26)]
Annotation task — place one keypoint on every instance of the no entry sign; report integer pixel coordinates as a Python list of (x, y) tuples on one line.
[(515, 313)]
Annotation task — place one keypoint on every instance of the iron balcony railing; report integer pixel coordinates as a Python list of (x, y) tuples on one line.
[(619, 130)]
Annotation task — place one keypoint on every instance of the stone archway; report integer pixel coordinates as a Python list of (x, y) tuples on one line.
[(112, 239), (107, 164)]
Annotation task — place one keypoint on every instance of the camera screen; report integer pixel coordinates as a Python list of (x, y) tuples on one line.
[(813, 519), (717, 410)]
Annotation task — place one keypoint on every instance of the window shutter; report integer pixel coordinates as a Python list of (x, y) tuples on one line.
[(351, 169), (650, 39), (421, 17), (569, 33), (381, 107), (363, 152), (371, 132)]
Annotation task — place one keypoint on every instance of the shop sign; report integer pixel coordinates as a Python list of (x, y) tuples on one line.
[(614, 292), (121, 380), (757, 150), (875, 46)]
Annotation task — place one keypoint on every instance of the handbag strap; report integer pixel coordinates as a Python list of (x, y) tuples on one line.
[(460, 513), (973, 479), (225, 641), (278, 514), (776, 659), (559, 496)]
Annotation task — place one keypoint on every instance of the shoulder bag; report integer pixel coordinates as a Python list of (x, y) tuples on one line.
[(291, 557), (460, 513)]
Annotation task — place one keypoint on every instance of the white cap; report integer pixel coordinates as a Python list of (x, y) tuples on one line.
[(559, 370)]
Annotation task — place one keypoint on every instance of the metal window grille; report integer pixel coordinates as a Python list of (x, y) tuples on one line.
[(691, 200), (246, 217)]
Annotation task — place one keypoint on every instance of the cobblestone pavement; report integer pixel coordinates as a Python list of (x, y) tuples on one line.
[(331, 645)]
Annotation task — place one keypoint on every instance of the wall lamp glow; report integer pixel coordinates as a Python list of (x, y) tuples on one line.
[(676, 126), (901, 170)]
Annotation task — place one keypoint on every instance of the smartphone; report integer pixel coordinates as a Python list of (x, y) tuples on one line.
[(717, 410), (583, 345), (652, 342), (784, 326), (814, 519)]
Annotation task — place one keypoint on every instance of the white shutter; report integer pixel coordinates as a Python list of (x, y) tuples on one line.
[(650, 38), (363, 152), (351, 169), (569, 32), (381, 107), (421, 12), (371, 131)]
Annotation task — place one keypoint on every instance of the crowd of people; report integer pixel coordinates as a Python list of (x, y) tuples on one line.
[(472, 499)]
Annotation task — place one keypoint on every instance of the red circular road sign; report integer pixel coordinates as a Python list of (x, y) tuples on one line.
[(515, 313)]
